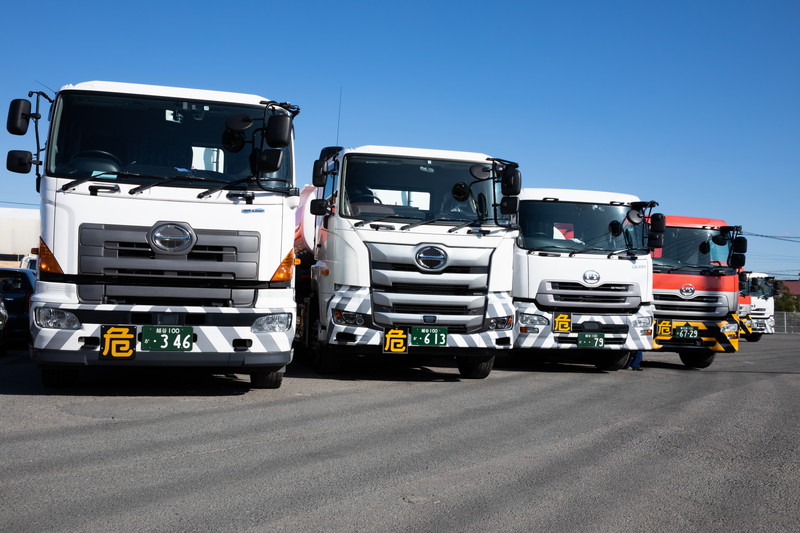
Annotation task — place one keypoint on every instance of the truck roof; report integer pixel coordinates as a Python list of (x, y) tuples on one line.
[(577, 195), (170, 92), (419, 152), (694, 222)]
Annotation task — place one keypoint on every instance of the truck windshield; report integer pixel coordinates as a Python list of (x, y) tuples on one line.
[(692, 247), (761, 287), (376, 186), (139, 139), (577, 227)]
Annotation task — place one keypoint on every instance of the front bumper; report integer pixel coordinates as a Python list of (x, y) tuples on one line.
[(564, 330), (710, 335), (222, 337)]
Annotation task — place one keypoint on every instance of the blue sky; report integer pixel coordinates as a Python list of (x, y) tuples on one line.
[(694, 104)]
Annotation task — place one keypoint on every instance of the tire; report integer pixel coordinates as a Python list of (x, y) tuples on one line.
[(753, 337), (475, 367), (697, 359), (56, 376), (612, 361), (325, 359), (266, 379)]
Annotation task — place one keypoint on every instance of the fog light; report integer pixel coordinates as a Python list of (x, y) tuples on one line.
[(348, 318), (275, 323), (48, 317)]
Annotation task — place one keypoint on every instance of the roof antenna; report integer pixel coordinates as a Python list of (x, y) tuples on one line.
[(339, 118)]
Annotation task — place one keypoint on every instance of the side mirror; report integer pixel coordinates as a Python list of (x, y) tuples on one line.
[(279, 131), (329, 151), (740, 245), (736, 260), (511, 183), (615, 228), (19, 161), (658, 223), (655, 240), (777, 289), (19, 116), (319, 207), (509, 205), (318, 174), (266, 161)]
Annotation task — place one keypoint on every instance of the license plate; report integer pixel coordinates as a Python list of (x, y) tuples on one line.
[(167, 338), (686, 332), (428, 336), (591, 340)]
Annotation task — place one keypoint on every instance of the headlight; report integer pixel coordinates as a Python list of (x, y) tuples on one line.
[(275, 323), (348, 318), (48, 317), (503, 322), (729, 328), (643, 322), (771, 322), (533, 320)]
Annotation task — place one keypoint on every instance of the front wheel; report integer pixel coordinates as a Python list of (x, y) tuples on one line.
[(697, 359), (753, 337), (475, 367), (266, 379), (612, 361)]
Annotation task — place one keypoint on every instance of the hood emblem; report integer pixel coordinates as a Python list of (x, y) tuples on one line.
[(591, 277), (687, 290), (171, 239), (431, 258)]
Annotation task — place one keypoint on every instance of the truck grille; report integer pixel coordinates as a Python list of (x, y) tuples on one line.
[(403, 292), (133, 273), (571, 295), (670, 304)]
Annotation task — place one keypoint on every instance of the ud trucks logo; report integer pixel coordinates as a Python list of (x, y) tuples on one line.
[(171, 238), (431, 258), (591, 277), (687, 290)]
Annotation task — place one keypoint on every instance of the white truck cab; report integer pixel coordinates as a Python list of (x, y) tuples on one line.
[(166, 230), (411, 257), (583, 275)]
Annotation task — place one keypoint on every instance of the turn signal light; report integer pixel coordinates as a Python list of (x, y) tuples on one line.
[(285, 269), (47, 261)]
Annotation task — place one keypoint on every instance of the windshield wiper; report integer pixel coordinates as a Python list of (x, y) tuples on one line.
[(477, 222), (429, 221), (630, 251), (550, 246), (376, 219), (233, 183), (163, 180)]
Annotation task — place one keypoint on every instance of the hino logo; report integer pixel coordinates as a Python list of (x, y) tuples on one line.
[(687, 290), (171, 238), (431, 258), (591, 277)]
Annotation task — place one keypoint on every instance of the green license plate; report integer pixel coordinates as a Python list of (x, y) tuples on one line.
[(686, 332), (591, 340), (428, 336), (167, 338)]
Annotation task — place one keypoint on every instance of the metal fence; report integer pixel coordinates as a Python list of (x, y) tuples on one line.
[(787, 322)]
